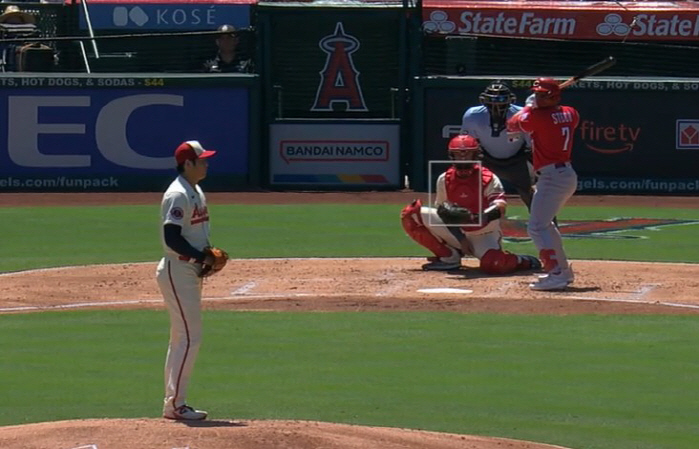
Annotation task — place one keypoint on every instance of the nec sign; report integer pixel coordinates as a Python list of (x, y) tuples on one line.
[(114, 131)]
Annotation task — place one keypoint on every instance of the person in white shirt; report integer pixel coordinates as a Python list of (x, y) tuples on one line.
[(184, 235)]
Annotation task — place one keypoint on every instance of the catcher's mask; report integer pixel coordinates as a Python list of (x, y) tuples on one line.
[(464, 148), (547, 91), (497, 98)]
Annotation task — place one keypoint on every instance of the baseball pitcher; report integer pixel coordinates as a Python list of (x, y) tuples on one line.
[(188, 258)]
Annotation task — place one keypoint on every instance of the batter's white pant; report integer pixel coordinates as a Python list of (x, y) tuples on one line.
[(476, 243), (181, 288), (554, 187)]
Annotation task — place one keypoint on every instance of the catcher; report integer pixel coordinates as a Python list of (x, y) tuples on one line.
[(464, 224), (189, 258)]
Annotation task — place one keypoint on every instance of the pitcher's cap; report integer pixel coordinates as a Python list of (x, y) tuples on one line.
[(191, 150)]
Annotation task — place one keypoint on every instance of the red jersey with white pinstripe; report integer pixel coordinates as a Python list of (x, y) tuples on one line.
[(551, 132)]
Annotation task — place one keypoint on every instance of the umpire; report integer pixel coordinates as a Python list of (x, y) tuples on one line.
[(509, 157)]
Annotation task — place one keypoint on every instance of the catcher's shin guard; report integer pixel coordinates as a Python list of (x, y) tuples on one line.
[(413, 226), (496, 261)]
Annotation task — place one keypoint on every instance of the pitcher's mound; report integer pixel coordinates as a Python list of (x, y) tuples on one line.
[(222, 434)]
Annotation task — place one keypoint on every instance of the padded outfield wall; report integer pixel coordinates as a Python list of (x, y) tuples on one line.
[(636, 136), (346, 101), (90, 133)]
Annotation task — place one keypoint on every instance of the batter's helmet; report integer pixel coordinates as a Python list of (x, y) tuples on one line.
[(548, 92), (546, 85)]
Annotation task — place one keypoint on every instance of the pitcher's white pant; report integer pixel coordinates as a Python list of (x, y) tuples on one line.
[(181, 288), (477, 242), (554, 188)]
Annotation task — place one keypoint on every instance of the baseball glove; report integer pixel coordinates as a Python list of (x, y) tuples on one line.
[(215, 260), (452, 214)]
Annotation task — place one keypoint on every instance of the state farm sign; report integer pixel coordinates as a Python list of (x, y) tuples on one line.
[(524, 24), (590, 23)]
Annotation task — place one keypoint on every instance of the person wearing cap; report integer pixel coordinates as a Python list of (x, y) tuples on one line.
[(14, 15), (508, 156), (229, 58), (551, 127), (184, 235)]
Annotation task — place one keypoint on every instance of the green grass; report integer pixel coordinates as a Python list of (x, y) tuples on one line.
[(89, 235), (584, 382)]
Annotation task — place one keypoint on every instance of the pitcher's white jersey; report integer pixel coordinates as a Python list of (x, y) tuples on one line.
[(185, 206)]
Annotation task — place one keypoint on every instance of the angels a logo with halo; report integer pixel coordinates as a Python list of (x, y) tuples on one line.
[(516, 230), (339, 79)]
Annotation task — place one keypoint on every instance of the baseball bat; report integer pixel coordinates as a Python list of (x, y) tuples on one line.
[(594, 69)]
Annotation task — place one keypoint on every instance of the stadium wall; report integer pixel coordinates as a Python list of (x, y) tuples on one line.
[(347, 97)]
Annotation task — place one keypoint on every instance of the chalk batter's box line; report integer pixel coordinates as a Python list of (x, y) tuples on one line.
[(430, 196)]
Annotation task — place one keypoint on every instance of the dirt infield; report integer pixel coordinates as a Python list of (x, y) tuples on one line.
[(367, 284)]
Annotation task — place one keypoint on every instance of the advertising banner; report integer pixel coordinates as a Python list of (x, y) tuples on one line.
[(628, 140), (311, 154), (344, 66), (92, 136), (654, 21), (170, 16)]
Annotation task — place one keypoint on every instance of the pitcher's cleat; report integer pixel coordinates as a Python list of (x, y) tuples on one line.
[(185, 413)]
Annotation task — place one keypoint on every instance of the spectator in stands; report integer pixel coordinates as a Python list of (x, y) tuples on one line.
[(22, 56), (230, 58), (15, 16)]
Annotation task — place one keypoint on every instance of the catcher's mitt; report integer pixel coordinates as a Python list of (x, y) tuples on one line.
[(452, 214), (215, 260)]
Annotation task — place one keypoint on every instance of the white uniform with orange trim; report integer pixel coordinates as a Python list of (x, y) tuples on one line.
[(181, 286)]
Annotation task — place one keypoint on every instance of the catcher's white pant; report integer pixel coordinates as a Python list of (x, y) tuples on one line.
[(554, 186), (181, 288), (477, 242)]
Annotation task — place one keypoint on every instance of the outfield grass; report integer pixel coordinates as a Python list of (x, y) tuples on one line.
[(586, 382), (89, 235), (617, 382)]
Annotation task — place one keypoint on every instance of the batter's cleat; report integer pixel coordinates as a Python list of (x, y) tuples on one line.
[(554, 281), (185, 413)]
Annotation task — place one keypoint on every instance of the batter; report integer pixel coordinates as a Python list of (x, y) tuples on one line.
[(551, 127), (184, 234)]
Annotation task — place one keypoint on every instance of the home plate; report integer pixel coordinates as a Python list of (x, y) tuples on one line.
[(444, 290)]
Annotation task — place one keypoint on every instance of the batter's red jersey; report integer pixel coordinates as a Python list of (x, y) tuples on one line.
[(551, 131)]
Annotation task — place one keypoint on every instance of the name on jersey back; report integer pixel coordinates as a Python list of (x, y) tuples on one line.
[(562, 117)]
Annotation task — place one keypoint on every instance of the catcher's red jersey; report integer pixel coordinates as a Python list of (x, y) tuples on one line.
[(464, 191), (551, 131)]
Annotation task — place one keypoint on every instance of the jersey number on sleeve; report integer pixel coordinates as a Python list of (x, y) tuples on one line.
[(565, 131)]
